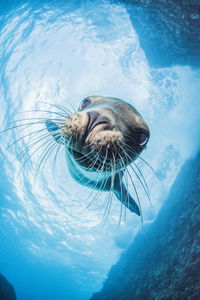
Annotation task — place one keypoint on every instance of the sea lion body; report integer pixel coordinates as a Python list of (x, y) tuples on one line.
[(104, 136)]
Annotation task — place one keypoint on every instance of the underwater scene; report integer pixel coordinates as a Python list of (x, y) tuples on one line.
[(99, 150)]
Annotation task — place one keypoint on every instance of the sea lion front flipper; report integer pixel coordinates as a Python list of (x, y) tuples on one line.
[(54, 129), (123, 196)]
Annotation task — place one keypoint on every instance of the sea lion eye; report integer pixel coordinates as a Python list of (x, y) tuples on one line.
[(84, 103), (142, 138)]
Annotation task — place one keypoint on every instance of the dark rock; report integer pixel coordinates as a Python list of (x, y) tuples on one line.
[(168, 30), (7, 291), (164, 260)]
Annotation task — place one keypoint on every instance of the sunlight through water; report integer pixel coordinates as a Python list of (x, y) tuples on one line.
[(61, 53)]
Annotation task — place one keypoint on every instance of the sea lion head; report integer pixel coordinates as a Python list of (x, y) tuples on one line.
[(105, 131)]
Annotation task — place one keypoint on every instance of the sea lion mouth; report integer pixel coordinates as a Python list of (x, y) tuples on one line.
[(94, 119)]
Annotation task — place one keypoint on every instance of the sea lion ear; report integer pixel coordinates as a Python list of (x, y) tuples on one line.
[(54, 129), (125, 198)]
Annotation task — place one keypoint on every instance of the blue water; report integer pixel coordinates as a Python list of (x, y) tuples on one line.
[(60, 52)]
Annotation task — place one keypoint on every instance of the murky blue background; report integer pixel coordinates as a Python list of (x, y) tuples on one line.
[(50, 247)]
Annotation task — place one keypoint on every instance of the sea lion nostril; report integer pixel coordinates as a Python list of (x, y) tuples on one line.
[(95, 119), (93, 115)]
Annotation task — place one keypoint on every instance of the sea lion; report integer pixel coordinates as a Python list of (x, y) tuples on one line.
[(101, 139)]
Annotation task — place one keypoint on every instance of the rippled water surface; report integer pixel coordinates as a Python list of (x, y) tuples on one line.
[(51, 247)]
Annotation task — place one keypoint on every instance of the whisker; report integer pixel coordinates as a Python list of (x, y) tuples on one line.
[(37, 118), (146, 190), (103, 183), (149, 166), (85, 157), (90, 180), (29, 134), (55, 157), (81, 179), (121, 205), (26, 161), (107, 205), (93, 163), (125, 177), (137, 196), (138, 199), (24, 151), (42, 110), (64, 109), (141, 174), (45, 152), (126, 154), (98, 193), (29, 125), (138, 156), (72, 106), (111, 188), (68, 142), (20, 125)]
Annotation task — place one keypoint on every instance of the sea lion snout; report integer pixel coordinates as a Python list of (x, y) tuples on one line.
[(82, 124), (106, 125)]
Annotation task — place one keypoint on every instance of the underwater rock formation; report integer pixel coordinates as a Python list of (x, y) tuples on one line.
[(164, 260), (168, 30), (7, 291)]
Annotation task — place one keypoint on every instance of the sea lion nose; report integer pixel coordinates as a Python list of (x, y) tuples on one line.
[(93, 115), (94, 119)]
